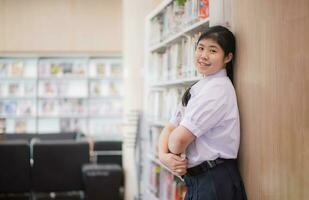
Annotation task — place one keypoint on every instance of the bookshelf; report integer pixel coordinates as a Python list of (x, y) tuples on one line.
[(172, 30), (62, 94)]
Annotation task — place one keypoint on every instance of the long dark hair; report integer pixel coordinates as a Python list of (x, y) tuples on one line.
[(226, 39)]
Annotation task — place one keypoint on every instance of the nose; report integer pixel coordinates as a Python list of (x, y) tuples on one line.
[(204, 55)]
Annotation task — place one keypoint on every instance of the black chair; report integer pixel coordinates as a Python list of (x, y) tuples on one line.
[(57, 165), (15, 168), (108, 152), (104, 179)]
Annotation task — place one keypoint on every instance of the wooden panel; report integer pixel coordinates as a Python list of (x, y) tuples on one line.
[(65, 26), (272, 83)]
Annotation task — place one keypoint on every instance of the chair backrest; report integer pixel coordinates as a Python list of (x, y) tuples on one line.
[(42, 136), (57, 165), (15, 167), (108, 152)]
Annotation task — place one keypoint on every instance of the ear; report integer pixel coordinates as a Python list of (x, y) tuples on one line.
[(228, 58)]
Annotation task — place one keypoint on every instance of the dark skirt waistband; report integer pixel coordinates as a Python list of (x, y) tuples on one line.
[(207, 165)]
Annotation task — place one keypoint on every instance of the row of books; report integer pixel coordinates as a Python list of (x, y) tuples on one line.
[(60, 68), (12, 69), (105, 69), (105, 88), (63, 88), (176, 62), (61, 107), (79, 68), (107, 131), (162, 104), (108, 108), (60, 89), (52, 107), (72, 125), (78, 107), (175, 17), (18, 89), (164, 185), (96, 127), (17, 107)]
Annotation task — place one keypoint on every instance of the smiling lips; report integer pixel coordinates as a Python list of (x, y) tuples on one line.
[(203, 64)]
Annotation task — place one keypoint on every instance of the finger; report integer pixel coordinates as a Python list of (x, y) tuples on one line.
[(180, 162), (178, 158), (180, 172)]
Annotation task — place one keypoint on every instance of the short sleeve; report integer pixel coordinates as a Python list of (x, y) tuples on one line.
[(205, 110), (178, 115)]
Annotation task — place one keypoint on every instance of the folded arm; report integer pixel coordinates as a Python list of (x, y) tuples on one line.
[(174, 162), (179, 140)]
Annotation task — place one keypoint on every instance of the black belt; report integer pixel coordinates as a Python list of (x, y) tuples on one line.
[(205, 166)]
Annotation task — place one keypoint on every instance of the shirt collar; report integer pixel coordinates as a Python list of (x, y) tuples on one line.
[(221, 73), (199, 85)]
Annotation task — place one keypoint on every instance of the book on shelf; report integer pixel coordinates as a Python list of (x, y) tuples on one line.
[(176, 62), (63, 88), (79, 69), (20, 126), (175, 17), (115, 70), (203, 10), (101, 129), (105, 107), (29, 89), (48, 107), (115, 88), (164, 185), (17, 69), (61, 68), (2, 123), (72, 106), (4, 69), (55, 69), (48, 88), (101, 69), (154, 139), (26, 108), (10, 107), (167, 185), (180, 191), (154, 178), (67, 68), (14, 89), (154, 107), (98, 88), (71, 125)]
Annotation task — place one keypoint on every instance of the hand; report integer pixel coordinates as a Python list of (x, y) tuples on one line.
[(175, 163)]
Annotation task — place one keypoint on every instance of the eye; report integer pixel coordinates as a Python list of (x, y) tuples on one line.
[(200, 48), (212, 51)]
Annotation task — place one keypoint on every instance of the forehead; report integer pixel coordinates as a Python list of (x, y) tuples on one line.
[(207, 42)]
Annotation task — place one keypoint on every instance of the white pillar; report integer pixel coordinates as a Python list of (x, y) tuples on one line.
[(134, 13)]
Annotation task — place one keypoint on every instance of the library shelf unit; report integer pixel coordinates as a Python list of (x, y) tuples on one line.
[(172, 30), (62, 93)]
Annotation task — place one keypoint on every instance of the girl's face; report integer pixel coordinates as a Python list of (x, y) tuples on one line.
[(210, 58)]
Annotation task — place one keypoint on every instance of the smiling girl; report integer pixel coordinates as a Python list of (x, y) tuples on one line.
[(207, 131)]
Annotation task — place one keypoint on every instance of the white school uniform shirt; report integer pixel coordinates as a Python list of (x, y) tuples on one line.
[(212, 116)]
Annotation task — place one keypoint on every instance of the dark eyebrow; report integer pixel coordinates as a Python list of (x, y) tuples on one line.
[(213, 46)]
